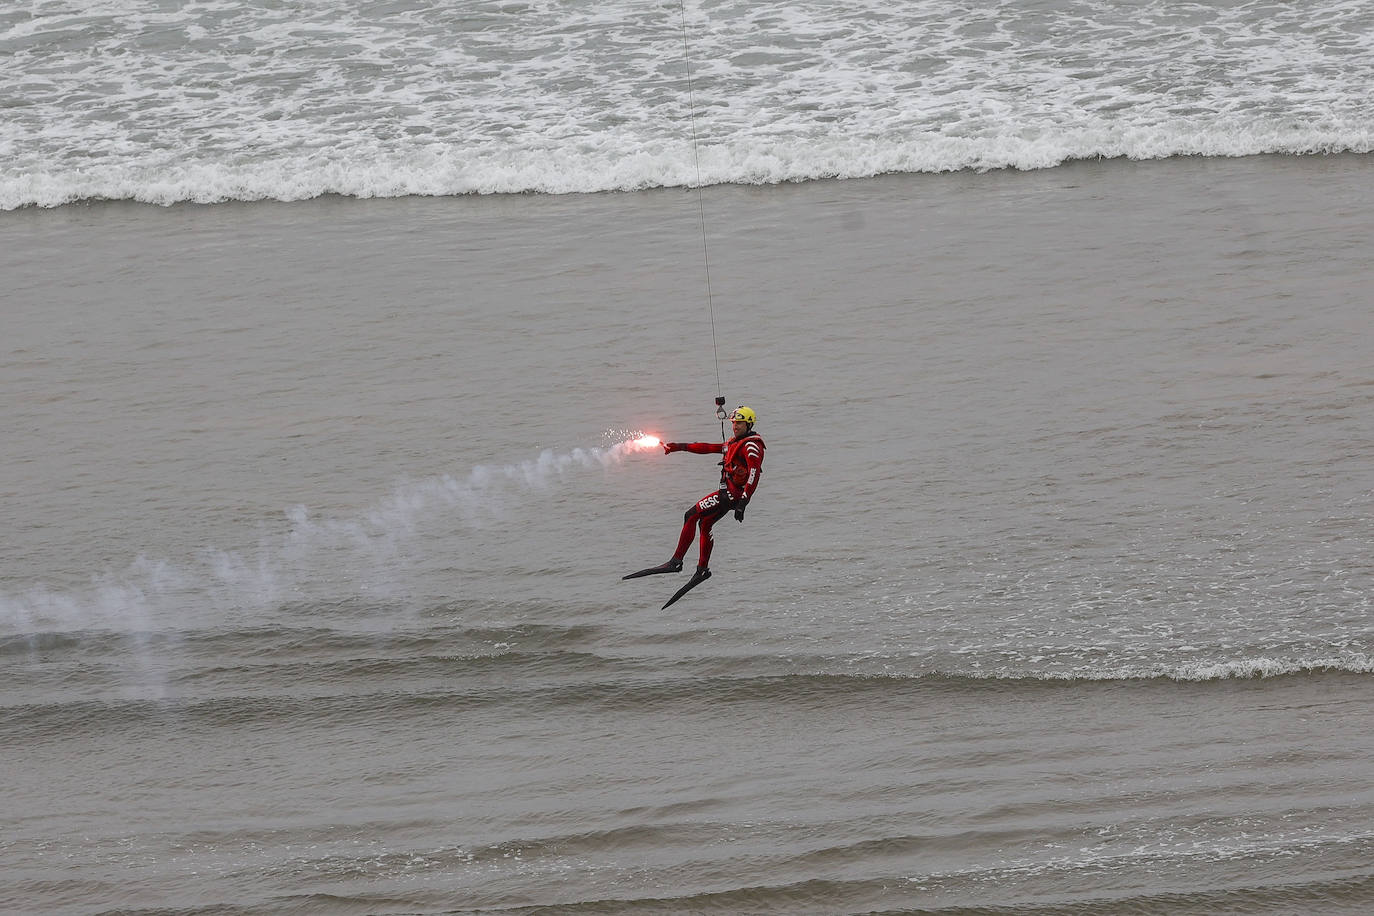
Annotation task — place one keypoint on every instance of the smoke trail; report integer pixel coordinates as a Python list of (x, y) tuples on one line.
[(476, 491), (368, 549)]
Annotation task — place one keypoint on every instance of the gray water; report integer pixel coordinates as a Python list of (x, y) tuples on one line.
[(1054, 597)]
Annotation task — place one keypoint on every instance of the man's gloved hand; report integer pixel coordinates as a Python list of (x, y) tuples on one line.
[(739, 510), (670, 447)]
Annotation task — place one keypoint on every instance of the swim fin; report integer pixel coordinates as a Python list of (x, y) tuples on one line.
[(698, 577), (671, 566)]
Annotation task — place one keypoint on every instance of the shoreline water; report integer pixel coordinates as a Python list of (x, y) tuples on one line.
[(216, 100), (1100, 160)]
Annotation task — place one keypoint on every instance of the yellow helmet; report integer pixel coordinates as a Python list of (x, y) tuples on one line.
[(745, 415)]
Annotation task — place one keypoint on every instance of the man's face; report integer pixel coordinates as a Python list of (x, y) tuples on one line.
[(740, 427)]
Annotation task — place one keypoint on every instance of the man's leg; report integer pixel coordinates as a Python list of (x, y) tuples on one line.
[(707, 522), (703, 513)]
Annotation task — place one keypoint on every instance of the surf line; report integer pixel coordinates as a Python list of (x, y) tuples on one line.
[(701, 214)]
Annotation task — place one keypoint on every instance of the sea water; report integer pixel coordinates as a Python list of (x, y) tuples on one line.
[(1054, 595)]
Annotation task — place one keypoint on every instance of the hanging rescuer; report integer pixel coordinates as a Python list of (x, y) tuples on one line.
[(739, 477)]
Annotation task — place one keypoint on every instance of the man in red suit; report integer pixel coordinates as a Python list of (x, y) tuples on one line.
[(739, 477)]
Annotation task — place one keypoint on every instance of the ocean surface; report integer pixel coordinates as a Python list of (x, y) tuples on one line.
[(328, 333), (212, 100)]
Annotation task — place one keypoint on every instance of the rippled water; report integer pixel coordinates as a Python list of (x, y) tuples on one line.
[(1055, 593)]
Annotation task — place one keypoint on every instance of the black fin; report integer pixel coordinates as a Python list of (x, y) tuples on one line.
[(698, 577), (671, 566)]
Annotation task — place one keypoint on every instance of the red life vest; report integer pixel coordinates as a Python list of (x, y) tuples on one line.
[(742, 465)]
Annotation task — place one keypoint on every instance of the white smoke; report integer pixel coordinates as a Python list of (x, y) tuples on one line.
[(370, 548)]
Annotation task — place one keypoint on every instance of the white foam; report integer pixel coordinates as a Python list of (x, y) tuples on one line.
[(215, 101), (1299, 660), (1265, 667)]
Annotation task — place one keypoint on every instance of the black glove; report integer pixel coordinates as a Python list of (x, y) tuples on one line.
[(670, 447), (739, 510)]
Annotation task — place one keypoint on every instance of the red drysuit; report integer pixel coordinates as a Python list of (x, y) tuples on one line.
[(739, 477)]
